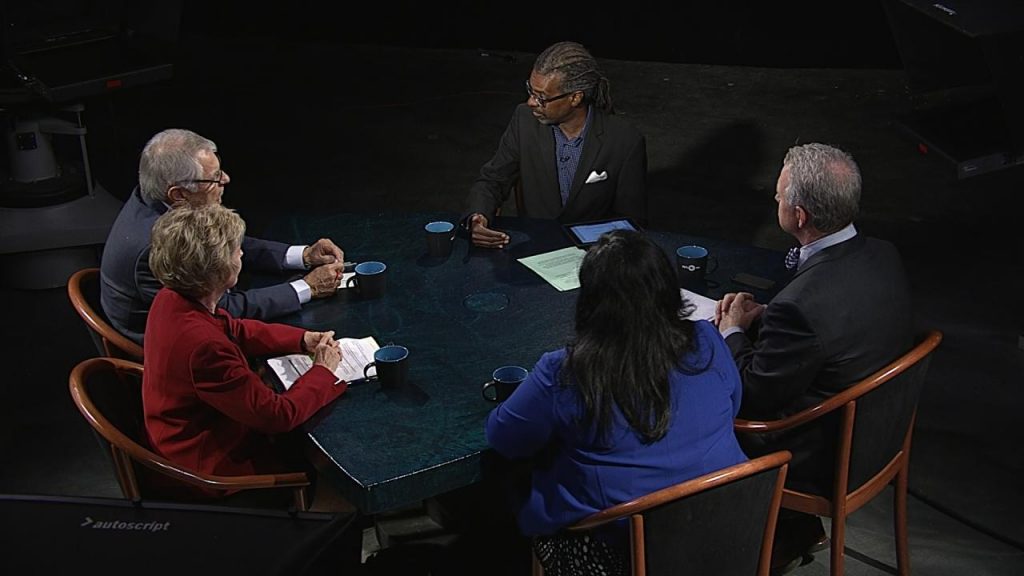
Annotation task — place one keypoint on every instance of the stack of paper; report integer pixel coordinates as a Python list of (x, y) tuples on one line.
[(355, 354)]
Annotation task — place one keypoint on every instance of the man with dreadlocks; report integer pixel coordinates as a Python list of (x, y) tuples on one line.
[(571, 157)]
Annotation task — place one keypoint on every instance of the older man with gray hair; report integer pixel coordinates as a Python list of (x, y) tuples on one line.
[(845, 314), (179, 167)]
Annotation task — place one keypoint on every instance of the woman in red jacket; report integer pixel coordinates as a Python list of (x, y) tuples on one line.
[(205, 408)]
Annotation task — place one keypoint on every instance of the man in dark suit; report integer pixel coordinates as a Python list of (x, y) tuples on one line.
[(571, 157), (180, 167), (845, 314)]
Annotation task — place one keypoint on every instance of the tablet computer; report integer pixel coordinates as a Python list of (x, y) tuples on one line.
[(585, 234)]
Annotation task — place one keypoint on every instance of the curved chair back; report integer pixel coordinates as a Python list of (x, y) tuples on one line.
[(720, 523), (872, 444), (84, 291), (107, 391), (882, 416)]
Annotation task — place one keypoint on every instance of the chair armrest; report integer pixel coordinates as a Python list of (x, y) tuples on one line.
[(684, 489), (250, 482), (866, 385)]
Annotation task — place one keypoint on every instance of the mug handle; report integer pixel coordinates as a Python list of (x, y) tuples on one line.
[(490, 385), (712, 264), (367, 369), (350, 282)]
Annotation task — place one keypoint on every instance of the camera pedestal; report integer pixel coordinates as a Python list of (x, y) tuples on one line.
[(54, 218), (41, 247)]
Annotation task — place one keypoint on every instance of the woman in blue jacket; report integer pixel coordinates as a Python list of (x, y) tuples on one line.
[(641, 399)]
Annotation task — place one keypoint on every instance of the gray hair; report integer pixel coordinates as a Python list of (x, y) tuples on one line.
[(192, 249), (171, 158), (826, 182), (579, 72)]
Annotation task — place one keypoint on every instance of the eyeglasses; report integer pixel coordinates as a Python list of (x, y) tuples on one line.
[(543, 101), (219, 181)]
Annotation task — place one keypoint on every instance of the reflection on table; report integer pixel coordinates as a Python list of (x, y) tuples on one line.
[(460, 317)]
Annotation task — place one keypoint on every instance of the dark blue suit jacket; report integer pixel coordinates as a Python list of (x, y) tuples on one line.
[(526, 154), (845, 314), (127, 285)]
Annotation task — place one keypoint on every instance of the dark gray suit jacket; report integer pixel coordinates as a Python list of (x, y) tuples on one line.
[(845, 314), (526, 153), (127, 285)]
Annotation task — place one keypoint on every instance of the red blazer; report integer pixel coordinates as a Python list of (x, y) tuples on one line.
[(205, 408)]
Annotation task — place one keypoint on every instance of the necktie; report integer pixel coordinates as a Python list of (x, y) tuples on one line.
[(793, 258)]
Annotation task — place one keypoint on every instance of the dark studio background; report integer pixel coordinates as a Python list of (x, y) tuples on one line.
[(328, 107)]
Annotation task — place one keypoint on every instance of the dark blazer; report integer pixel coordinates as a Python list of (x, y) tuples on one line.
[(845, 314), (127, 285), (526, 153)]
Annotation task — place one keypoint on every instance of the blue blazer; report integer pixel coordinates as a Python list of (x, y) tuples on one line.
[(127, 285), (585, 475)]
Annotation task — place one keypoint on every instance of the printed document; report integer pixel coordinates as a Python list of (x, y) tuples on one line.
[(560, 268), (355, 354), (704, 306)]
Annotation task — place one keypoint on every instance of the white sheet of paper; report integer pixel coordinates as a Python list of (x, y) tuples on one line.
[(705, 307), (355, 353), (560, 268)]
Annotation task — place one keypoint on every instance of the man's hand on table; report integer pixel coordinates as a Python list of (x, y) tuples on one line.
[(483, 236), (323, 280), (321, 252)]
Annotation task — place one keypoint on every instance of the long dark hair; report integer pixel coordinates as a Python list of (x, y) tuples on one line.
[(631, 332)]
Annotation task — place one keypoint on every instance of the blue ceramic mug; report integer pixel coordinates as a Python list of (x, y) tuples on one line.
[(440, 238), (692, 264), (391, 363), (503, 382), (370, 279)]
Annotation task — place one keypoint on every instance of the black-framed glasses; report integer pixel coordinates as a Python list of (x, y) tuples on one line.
[(219, 181), (544, 101)]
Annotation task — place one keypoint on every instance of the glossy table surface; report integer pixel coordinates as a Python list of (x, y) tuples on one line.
[(460, 317)]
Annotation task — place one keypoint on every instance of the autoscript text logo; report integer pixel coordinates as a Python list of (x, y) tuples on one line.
[(122, 525)]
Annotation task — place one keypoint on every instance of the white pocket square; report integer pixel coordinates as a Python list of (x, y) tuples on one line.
[(596, 176)]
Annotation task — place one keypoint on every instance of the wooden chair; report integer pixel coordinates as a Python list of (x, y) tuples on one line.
[(107, 391), (876, 422), (84, 291), (720, 523)]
